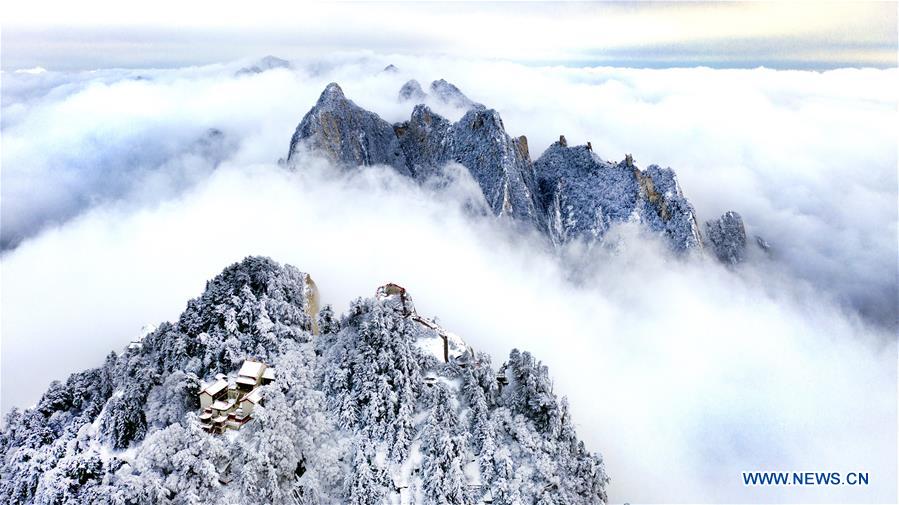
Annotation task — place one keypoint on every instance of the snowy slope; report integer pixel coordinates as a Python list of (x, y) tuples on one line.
[(369, 407)]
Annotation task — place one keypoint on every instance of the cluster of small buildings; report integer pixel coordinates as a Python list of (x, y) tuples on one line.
[(228, 403)]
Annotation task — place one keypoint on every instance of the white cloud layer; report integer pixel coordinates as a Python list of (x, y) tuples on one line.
[(681, 372)]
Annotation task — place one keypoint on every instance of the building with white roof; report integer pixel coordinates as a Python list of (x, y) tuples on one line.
[(229, 404), (252, 369), (212, 392)]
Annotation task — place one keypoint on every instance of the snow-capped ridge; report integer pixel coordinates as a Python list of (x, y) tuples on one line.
[(568, 194)]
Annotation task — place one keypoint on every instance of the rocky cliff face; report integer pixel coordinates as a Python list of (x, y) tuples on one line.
[(422, 140), (500, 164), (347, 133), (583, 196), (675, 214), (727, 238), (569, 193)]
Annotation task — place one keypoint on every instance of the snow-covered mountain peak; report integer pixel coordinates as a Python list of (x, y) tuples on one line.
[(378, 405), (569, 193), (332, 92)]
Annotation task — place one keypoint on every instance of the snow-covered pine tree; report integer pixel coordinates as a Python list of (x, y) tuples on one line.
[(376, 375), (364, 486), (180, 464), (531, 391), (443, 445), (328, 323), (483, 436)]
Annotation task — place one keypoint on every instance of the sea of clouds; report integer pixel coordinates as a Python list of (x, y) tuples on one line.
[(124, 190)]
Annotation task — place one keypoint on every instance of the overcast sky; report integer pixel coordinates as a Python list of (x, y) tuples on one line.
[(100, 33)]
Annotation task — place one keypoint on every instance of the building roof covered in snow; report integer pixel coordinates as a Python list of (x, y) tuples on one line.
[(254, 396), (222, 404), (215, 388), (253, 369), (245, 381)]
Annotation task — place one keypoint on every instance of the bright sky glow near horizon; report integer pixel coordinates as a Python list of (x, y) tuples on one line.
[(805, 35)]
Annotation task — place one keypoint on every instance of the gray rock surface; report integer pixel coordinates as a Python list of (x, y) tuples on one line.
[(501, 165), (727, 237), (583, 195), (347, 133), (569, 193), (411, 91), (423, 140), (674, 215)]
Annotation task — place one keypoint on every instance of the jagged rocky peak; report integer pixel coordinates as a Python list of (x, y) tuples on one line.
[(423, 117), (727, 238), (412, 92), (332, 92), (583, 196), (421, 139), (569, 193), (678, 219), (347, 134), (500, 164), (448, 93), (390, 69), (267, 63)]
